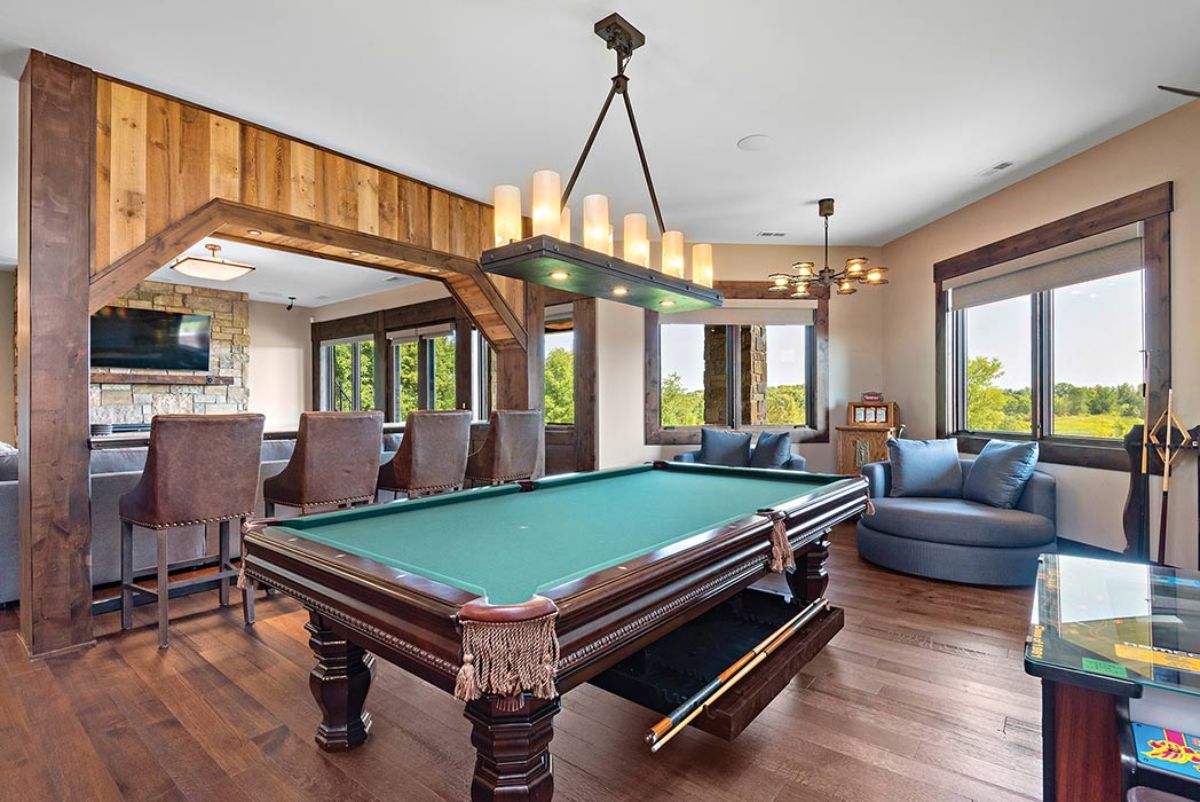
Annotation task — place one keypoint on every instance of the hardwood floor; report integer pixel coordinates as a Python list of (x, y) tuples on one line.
[(921, 697)]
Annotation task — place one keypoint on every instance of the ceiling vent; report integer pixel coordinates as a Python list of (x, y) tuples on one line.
[(771, 234), (996, 168)]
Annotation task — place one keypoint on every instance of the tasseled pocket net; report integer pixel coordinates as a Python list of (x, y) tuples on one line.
[(506, 658), (782, 558)]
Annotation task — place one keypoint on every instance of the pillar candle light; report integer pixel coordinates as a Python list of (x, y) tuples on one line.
[(595, 223), (702, 265), (636, 243), (672, 253), (547, 202), (564, 225), (507, 218)]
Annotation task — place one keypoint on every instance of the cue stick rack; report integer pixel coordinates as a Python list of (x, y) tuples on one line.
[(1154, 449)]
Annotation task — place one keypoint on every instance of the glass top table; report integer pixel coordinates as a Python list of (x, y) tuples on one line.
[(1115, 626)]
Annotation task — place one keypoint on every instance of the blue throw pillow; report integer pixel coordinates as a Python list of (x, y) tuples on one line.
[(719, 447), (999, 474), (773, 450), (927, 468)]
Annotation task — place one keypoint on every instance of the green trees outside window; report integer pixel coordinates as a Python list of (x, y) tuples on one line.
[(350, 370), (696, 377), (1093, 376)]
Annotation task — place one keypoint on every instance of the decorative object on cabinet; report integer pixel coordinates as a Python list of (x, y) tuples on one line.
[(876, 412)]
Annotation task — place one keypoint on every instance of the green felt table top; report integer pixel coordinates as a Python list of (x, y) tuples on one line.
[(507, 544)]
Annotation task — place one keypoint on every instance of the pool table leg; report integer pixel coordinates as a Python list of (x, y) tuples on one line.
[(512, 749), (339, 683), (809, 580)]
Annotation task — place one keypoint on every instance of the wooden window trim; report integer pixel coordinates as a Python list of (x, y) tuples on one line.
[(817, 432), (1152, 207)]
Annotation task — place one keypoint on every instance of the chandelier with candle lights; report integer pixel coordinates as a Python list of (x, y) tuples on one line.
[(842, 281), (549, 256)]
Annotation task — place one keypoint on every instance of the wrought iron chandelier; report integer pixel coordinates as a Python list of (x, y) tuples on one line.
[(550, 258), (807, 275)]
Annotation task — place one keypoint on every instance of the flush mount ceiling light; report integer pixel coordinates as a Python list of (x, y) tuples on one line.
[(551, 259), (807, 274), (211, 267)]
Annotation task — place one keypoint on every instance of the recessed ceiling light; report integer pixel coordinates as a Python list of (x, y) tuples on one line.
[(253, 232), (620, 291), (560, 275), (356, 253), (754, 142), (668, 303), (435, 270)]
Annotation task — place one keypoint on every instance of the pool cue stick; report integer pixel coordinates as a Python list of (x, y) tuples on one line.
[(1166, 487), (1143, 486), (702, 695), (789, 629), (1146, 413)]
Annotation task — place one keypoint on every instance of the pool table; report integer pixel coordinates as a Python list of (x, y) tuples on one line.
[(510, 596)]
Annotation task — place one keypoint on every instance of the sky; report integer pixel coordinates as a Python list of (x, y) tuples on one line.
[(683, 353), (1097, 334)]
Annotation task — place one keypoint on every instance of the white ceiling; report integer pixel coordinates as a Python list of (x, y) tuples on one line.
[(893, 108), (312, 281)]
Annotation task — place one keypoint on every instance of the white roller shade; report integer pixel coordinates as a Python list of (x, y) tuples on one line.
[(749, 313), (1110, 256), (436, 330)]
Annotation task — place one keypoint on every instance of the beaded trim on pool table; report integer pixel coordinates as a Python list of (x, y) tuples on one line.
[(399, 644)]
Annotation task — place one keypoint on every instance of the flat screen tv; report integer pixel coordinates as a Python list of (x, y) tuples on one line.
[(144, 338)]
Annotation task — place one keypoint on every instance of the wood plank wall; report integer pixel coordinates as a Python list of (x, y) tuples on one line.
[(159, 160)]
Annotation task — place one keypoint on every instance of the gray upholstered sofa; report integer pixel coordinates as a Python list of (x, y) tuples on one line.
[(796, 463), (115, 471), (955, 539)]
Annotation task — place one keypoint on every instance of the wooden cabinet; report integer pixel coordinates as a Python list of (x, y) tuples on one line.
[(859, 444)]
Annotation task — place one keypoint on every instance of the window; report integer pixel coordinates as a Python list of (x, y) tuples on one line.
[(1052, 349), (693, 375), (423, 367), (559, 379), (757, 374), (998, 370), (348, 375), (1097, 361)]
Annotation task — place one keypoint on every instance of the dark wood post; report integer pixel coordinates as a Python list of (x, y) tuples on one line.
[(55, 178), (512, 743), (810, 579), (339, 683)]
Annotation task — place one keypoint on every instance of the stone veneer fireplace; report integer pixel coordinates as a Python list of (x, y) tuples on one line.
[(114, 401)]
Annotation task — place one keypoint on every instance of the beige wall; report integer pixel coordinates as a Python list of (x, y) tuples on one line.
[(855, 333), (280, 362), (8, 389), (1164, 149)]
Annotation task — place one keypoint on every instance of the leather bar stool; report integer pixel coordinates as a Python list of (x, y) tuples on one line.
[(510, 451), (335, 462), (200, 469), (432, 457)]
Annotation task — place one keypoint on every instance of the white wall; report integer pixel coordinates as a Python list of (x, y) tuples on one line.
[(855, 356), (8, 389), (280, 362), (401, 296), (1164, 149)]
